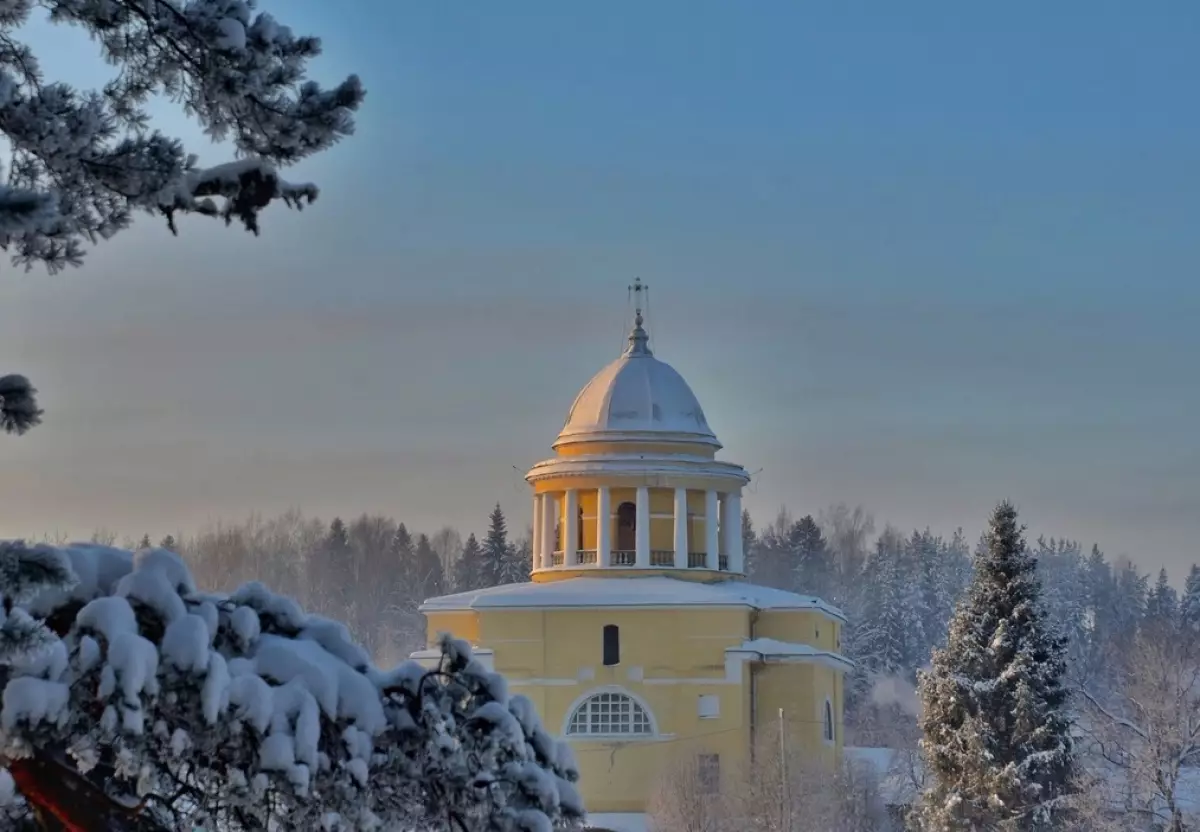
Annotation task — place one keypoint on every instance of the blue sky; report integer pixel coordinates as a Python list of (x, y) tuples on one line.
[(917, 258)]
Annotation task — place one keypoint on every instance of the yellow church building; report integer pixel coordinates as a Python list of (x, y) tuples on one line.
[(638, 638)]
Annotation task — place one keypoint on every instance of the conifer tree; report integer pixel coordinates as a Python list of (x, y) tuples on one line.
[(1189, 605), (1162, 604), (495, 550), (25, 573), (468, 568), (996, 733), (145, 542), (812, 565), (427, 572), (168, 543), (749, 543)]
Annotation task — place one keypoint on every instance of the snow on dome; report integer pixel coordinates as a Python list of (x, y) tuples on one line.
[(637, 394)]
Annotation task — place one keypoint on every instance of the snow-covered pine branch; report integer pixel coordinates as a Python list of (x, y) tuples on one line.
[(185, 710), (18, 403), (84, 161)]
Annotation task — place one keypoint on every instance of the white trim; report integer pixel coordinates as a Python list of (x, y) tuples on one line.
[(468, 606), (536, 682), (429, 657), (617, 822), (618, 689)]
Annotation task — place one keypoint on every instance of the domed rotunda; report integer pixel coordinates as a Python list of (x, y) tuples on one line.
[(637, 453), (638, 638)]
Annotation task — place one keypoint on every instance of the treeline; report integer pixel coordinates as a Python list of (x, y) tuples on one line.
[(897, 589), (371, 572), (899, 592)]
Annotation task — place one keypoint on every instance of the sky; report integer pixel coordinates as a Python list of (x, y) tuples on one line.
[(918, 259)]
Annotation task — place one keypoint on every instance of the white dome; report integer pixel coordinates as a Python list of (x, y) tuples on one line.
[(637, 397)]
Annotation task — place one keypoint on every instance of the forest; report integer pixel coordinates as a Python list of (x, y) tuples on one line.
[(898, 589)]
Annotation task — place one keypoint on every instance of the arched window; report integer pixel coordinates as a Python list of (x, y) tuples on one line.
[(827, 728), (609, 714), (626, 527), (612, 645)]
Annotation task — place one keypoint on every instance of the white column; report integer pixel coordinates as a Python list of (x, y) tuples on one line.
[(571, 529), (535, 545), (547, 530), (642, 553), (681, 528), (733, 532), (603, 527), (712, 542)]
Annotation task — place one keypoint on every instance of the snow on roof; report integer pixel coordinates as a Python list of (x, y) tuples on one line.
[(654, 591)]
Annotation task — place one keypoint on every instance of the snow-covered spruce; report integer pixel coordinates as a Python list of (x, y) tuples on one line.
[(186, 710), (84, 161), (996, 732)]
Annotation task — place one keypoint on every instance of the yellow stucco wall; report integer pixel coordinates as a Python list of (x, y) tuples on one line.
[(669, 658)]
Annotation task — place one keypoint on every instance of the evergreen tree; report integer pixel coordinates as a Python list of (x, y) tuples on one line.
[(25, 573), (468, 569), (145, 542), (811, 563), (749, 543), (882, 642), (427, 573), (334, 571), (495, 550), (1162, 604), (996, 733), (168, 543), (1189, 605), (519, 562)]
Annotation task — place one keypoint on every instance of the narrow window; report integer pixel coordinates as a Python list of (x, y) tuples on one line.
[(828, 732), (612, 645), (579, 526), (626, 527), (708, 768)]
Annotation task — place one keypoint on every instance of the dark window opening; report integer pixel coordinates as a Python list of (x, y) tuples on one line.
[(579, 526), (626, 527), (612, 645)]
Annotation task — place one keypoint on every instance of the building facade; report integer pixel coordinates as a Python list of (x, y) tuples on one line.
[(638, 638)]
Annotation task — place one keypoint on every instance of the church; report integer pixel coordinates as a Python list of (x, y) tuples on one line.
[(638, 637)]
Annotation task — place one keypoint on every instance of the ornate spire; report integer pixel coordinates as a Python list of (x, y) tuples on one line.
[(638, 339)]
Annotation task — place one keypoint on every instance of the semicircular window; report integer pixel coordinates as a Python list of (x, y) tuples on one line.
[(609, 714)]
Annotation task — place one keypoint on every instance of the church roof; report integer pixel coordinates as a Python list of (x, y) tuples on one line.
[(654, 591), (634, 396)]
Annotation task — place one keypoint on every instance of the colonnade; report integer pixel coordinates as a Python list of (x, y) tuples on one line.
[(722, 543)]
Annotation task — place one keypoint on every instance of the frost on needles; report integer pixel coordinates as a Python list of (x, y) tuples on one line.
[(155, 706), (84, 161), (996, 731)]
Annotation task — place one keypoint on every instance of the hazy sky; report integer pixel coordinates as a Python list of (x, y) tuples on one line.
[(917, 258)]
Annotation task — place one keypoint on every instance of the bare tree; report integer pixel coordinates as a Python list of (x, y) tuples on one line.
[(687, 798), (788, 790), (1142, 738), (447, 543), (848, 532)]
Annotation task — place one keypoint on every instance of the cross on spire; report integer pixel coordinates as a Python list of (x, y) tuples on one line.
[(638, 339)]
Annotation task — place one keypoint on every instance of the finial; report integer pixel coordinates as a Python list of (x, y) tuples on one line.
[(638, 339)]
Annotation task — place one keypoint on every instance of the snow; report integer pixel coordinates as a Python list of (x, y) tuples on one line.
[(30, 700), (283, 703), (656, 591), (186, 644), (97, 570)]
